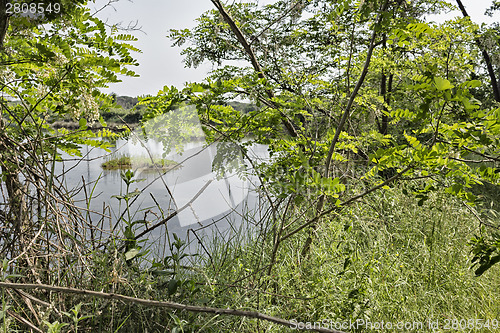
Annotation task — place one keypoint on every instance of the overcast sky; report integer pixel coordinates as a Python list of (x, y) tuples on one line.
[(161, 64)]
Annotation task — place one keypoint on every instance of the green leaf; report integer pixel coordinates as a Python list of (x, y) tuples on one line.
[(474, 83), (83, 123), (131, 254), (172, 286), (197, 88), (162, 272), (128, 233), (102, 122), (442, 84)]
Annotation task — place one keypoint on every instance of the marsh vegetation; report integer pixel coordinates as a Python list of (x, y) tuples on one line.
[(139, 162), (376, 200)]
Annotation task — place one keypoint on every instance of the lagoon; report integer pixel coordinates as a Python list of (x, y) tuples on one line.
[(226, 197)]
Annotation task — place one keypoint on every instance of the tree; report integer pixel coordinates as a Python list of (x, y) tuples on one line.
[(52, 66), (353, 98), (368, 94)]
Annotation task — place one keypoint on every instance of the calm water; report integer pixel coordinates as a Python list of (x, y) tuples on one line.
[(217, 209)]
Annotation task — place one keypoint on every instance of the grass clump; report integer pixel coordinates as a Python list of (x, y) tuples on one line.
[(141, 162), (122, 162)]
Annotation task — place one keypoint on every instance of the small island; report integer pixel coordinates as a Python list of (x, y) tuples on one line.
[(139, 162)]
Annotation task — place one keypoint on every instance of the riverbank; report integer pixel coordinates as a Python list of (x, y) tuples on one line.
[(114, 127)]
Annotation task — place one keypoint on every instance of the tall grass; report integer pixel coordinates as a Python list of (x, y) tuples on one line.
[(386, 259)]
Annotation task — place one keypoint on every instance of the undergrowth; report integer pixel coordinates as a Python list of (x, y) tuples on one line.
[(388, 258)]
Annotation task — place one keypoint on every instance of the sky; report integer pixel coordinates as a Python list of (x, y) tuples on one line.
[(161, 64)]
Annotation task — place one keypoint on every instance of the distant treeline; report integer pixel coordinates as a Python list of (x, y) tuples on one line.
[(131, 113), (243, 107), (125, 102)]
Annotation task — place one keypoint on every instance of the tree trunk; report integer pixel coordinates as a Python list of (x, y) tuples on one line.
[(491, 72), (4, 21), (16, 191), (385, 91)]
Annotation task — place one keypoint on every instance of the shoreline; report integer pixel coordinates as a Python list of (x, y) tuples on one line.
[(114, 127)]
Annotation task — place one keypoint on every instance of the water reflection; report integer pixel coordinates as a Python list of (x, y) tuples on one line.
[(225, 199)]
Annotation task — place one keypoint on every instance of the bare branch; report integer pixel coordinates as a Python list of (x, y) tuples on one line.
[(165, 220), (255, 63), (354, 93), (256, 37), (24, 321), (163, 304)]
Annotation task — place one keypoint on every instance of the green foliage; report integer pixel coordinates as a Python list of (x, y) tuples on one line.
[(75, 316), (435, 96), (139, 162), (55, 71), (132, 249), (382, 135), (486, 252), (422, 84), (386, 259), (55, 327)]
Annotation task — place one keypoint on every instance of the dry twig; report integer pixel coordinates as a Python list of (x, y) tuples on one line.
[(163, 304)]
